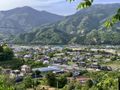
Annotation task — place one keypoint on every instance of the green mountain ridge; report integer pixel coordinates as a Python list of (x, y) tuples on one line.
[(24, 19), (84, 27)]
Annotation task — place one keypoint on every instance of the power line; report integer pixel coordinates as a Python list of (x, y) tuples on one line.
[(9, 27)]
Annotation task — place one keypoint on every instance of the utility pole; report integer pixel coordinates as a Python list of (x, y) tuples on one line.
[(34, 84), (118, 83), (57, 85)]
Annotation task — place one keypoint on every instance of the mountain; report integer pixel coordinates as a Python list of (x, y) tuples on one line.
[(24, 19), (84, 27)]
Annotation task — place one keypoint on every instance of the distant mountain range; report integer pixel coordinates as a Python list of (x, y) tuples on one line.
[(84, 27), (24, 19)]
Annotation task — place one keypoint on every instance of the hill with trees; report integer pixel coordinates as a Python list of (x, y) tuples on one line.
[(24, 19), (83, 27)]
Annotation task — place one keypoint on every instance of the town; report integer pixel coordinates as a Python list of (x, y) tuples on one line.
[(60, 45), (74, 63)]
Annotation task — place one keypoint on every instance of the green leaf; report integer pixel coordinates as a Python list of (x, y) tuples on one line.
[(108, 24), (70, 0), (85, 4)]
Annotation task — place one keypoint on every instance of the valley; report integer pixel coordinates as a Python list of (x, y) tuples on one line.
[(44, 45)]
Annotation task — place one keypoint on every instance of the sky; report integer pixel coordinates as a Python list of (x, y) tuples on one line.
[(60, 7)]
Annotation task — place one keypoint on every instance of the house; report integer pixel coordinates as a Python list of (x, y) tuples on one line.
[(18, 79), (76, 73), (47, 69), (95, 60), (18, 56), (29, 56), (6, 71), (60, 61), (16, 74), (83, 64), (82, 58), (106, 68), (98, 56), (59, 54), (59, 72), (13, 74), (25, 69), (107, 60), (46, 62), (94, 66), (80, 79)]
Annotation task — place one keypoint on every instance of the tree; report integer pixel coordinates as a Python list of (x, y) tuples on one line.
[(6, 52), (62, 81), (28, 82), (36, 74), (51, 55), (5, 83), (71, 86), (89, 83), (110, 22), (1, 49), (78, 86), (51, 79)]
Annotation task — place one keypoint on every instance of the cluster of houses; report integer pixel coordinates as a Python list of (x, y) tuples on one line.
[(72, 60), (17, 74), (79, 56)]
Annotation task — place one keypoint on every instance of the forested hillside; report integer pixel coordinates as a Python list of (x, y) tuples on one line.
[(24, 19), (84, 27)]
